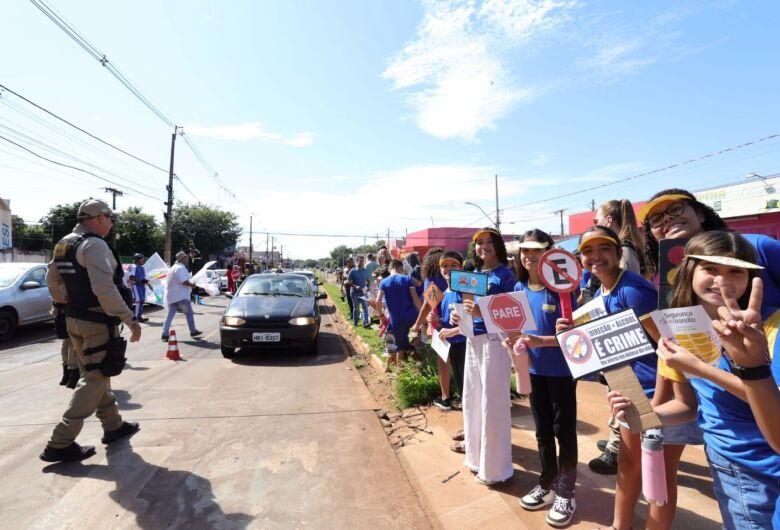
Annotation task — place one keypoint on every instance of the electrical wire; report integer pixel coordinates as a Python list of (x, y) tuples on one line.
[(79, 169)]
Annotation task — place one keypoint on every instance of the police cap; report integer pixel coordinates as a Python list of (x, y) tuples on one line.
[(138, 255)]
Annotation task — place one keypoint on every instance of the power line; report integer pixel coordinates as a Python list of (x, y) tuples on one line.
[(82, 41), (63, 120), (647, 173), (78, 169)]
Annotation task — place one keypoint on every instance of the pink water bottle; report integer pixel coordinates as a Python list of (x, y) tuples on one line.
[(520, 362), (653, 467)]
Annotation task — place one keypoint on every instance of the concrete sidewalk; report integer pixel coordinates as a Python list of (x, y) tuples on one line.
[(450, 494)]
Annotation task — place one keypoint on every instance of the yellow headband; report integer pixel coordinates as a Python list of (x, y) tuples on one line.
[(484, 231), (597, 236), (452, 262), (644, 211), (726, 260)]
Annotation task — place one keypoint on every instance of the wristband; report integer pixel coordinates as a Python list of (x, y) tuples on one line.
[(751, 374)]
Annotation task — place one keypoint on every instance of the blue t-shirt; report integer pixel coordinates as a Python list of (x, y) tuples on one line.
[(768, 251), (500, 280), (728, 424), (399, 300), (450, 297), (634, 291), (546, 308), (359, 278)]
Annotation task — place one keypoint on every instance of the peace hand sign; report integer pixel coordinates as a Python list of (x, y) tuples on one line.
[(740, 331)]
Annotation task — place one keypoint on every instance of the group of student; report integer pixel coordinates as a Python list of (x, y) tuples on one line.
[(730, 406)]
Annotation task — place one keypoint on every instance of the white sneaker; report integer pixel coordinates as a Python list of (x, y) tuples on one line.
[(537, 498), (561, 512)]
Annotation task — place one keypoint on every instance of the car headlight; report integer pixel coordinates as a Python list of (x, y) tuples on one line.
[(302, 321), (233, 321)]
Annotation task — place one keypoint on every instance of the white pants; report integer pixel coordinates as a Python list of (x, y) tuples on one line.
[(487, 419)]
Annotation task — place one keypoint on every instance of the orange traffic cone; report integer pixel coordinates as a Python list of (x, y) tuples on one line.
[(173, 347)]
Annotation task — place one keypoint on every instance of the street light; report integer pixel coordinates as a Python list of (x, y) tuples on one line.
[(485, 214)]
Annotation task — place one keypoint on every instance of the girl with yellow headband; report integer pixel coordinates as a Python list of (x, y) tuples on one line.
[(486, 402)]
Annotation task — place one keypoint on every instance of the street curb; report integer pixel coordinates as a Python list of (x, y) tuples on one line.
[(355, 341)]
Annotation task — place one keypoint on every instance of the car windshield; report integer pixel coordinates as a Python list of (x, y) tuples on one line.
[(9, 274), (274, 286)]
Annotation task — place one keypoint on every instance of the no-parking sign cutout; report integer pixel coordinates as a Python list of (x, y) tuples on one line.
[(560, 271), (605, 342)]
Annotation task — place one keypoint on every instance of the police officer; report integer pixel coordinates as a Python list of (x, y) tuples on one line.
[(97, 301)]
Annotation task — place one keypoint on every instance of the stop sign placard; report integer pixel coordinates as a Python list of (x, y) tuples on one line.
[(506, 312)]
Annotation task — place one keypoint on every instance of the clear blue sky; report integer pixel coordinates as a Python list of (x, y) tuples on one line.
[(355, 117)]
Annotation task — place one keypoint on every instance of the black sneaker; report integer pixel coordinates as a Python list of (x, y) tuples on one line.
[(73, 378), (561, 512), (73, 453), (606, 464), (602, 445), (443, 404), (165, 337), (128, 428), (196, 333), (537, 498)]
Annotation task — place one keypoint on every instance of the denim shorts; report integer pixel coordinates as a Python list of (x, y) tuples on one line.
[(684, 434), (747, 499)]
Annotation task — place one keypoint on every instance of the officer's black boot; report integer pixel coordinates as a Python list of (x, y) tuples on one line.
[(73, 377), (64, 379), (73, 453), (127, 429)]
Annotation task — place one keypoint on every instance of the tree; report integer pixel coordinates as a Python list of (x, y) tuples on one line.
[(311, 263), (208, 229), (138, 232), (28, 237), (60, 220), (340, 254)]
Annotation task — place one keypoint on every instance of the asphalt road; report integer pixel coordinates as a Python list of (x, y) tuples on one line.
[(265, 440)]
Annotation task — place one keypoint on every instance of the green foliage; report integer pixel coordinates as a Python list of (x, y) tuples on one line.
[(61, 219), (138, 232), (417, 383), (340, 254), (28, 237), (209, 229), (311, 263)]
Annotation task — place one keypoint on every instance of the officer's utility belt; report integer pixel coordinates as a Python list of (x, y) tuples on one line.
[(114, 361)]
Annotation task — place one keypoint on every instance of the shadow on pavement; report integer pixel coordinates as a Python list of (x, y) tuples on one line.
[(160, 497), (40, 332), (123, 398)]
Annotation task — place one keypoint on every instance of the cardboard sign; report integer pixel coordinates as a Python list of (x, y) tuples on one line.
[(605, 342), (560, 271), (670, 255), (640, 416), (466, 322), (474, 283), (433, 295), (507, 313)]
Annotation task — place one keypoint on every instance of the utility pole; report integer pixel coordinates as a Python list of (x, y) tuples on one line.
[(169, 204), (273, 246), (281, 255), (115, 193), (251, 267), (561, 212), (498, 219), (592, 205), (267, 265)]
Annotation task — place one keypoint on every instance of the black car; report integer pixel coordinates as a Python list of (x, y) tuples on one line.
[(271, 311)]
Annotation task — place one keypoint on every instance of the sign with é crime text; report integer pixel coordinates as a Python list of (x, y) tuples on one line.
[(605, 342), (475, 283)]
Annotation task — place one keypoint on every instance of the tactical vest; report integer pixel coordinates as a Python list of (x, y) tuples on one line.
[(76, 278)]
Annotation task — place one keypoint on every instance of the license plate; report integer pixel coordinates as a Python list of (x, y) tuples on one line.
[(266, 337)]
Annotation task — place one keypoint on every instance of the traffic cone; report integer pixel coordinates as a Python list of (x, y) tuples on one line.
[(173, 347)]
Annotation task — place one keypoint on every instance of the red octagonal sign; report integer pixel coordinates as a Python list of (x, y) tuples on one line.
[(506, 312)]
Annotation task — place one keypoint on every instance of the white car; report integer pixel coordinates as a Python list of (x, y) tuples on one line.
[(223, 281), (24, 296)]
